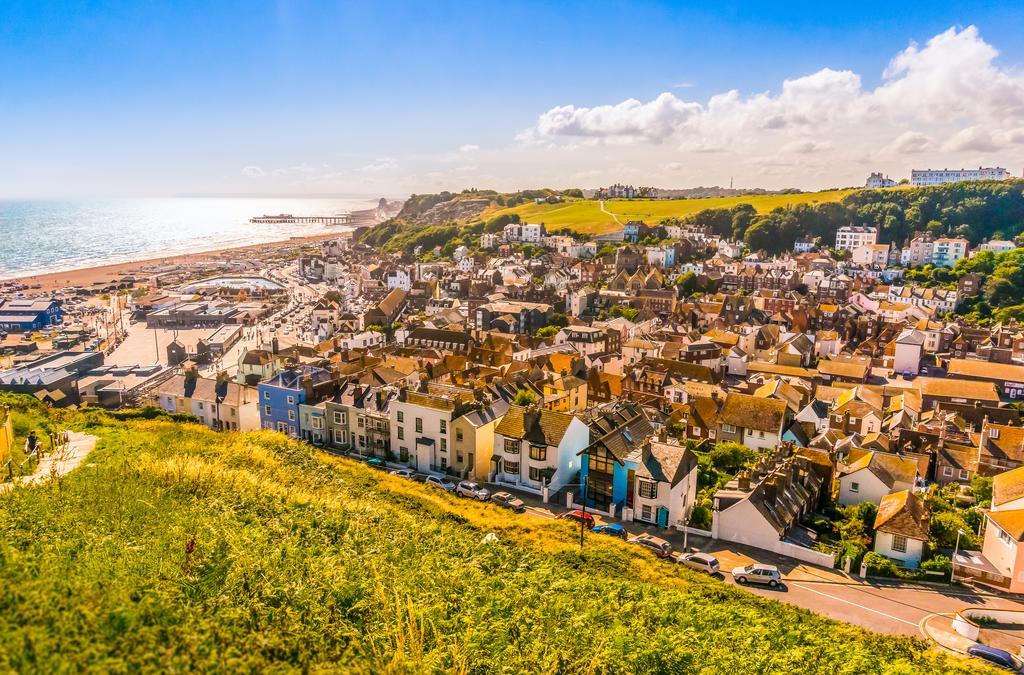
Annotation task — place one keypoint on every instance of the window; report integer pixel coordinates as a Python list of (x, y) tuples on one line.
[(267, 410), (291, 415), (401, 433), (648, 489), (539, 453), (401, 416), (339, 417), (947, 471), (458, 435), (511, 467), (444, 445), (403, 454), (362, 441), (291, 400), (854, 487), (458, 457), (511, 446), (963, 474), (200, 405), (419, 425), (318, 422), (282, 427), (339, 436), (899, 543), (444, 462), (444, 426), (600, 463), (266, 396), (362, 422), (535, 473), (993, 432), (1005, 538), (728, 428), (645, 512), (291, 429)]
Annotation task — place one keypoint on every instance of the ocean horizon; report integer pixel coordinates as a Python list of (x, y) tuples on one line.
[(39, 236)]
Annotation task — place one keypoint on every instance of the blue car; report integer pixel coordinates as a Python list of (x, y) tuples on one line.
[(995, 656), (614, 530)]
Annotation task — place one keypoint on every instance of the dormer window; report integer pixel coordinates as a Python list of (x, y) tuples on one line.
[(993, 432)]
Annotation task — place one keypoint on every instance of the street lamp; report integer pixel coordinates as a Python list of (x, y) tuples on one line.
[(952, 563)]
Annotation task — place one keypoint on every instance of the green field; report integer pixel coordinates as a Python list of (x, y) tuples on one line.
[(177, 549), (585, 215)]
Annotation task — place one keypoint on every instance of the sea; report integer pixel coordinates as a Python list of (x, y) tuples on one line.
[(39, 236)]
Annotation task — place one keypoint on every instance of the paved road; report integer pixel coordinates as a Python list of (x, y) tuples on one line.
[(878, 605)]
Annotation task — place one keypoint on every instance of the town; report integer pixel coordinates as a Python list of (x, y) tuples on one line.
[(816, 414)]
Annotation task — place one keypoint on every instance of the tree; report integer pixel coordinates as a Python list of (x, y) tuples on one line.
[(981, 488), (558, 319), (525, 398), (547, 331), (730, 457), (688, 283)]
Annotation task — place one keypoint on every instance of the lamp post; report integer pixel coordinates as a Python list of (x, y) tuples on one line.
[(952, 563)]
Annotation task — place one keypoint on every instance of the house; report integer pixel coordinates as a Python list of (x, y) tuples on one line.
[(256, 365), (357, 419), (473, 440), (646, 479), (763, 506), (1008, 490), (902, 528), (1007, 378), (217, 403), (21, 316), (537, 450), (387, 311), (752, 421), (281, 395), (421, 427), (873, 475), (909, 346), (1000, 562)]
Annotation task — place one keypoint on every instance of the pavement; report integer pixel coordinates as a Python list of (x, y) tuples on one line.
[(59, 462), (882, 605)]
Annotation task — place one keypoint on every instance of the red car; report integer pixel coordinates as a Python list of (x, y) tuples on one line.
[(579, 517)]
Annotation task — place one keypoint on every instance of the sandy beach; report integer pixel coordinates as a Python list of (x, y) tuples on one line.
[(87, 276)]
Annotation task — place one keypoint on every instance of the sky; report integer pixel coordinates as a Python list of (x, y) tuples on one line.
[(302, 97)]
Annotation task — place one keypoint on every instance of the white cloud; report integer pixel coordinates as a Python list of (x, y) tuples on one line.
[(469, 147), (948, 99), (381, 164), (253, 172)]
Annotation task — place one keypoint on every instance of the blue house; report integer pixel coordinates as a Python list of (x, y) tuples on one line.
[(22, 316), (281, 396), (630, 473)]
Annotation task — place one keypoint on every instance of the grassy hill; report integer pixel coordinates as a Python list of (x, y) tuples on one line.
[(585, 215), (174, 548)]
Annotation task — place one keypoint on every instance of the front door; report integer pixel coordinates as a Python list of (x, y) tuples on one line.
[(662, 516)]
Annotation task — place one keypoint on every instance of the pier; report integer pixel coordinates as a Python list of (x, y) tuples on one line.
[(340, 219)]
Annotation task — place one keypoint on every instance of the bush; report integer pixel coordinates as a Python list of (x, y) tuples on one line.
[(701, 517), (880, 566), (939, 563)]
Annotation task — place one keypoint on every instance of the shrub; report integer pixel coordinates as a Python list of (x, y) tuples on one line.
[(880, 566), (939, 563)]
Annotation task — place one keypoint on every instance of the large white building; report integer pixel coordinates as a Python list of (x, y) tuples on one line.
[(877, 180), (852, 237), (527, 233), (921, 177)]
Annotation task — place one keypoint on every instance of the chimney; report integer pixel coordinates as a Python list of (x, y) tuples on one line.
[(743, 479), (770, 492), (307, 386)]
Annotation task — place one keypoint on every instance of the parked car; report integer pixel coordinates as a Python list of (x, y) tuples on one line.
[(443, 482), (612, 530), (401, 473), (996, 656), (376, 463), (702, 562), (579, 517), (468, 488), (656, 545), (509, 501), (757, 573)]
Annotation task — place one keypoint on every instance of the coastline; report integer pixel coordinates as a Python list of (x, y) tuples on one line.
[(87, 276)]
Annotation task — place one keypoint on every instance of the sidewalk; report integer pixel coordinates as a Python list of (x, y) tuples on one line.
[(939, 627), (57, 463)]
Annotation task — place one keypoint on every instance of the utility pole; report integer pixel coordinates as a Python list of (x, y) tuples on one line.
[(583, 520)]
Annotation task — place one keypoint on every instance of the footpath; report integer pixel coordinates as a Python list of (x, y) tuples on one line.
[(59, 462)]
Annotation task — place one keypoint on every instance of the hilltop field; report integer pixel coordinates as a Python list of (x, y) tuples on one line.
[(586, 215), (174, 548)]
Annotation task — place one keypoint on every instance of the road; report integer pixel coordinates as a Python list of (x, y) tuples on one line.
[(896, 608)]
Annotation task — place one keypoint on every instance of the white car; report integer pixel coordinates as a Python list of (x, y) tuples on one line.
[(443, 482), (702, 562), (468, 488), (401, 473), (756, 573)]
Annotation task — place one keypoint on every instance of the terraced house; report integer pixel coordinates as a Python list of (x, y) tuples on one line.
[(537, 450)]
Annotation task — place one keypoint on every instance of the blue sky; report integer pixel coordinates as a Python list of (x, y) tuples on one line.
[(163, 98)]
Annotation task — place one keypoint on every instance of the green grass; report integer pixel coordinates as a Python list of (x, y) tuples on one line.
[(174, 548), (585, 215)]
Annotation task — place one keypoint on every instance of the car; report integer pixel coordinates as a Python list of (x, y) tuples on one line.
[(468, 488), (579, 516), (401, 473), (702, 562), (995, 656), (655, 545), (376, 463), (756, 573), (509, 501), (443, 482), (612, 530)]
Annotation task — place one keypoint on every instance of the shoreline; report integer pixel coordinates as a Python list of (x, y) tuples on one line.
[(106, 273)]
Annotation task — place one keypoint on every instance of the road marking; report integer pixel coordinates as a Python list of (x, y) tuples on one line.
[(850, 602)]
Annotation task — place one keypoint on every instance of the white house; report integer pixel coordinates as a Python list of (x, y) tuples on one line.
[(902, 528), (875, 475), (220, 404), (851, 237), (536, 449), (399, 278), (909, 346), (525, 233)]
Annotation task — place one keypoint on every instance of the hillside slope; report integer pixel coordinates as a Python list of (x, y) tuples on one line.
[(586, 215), (175, 548)]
